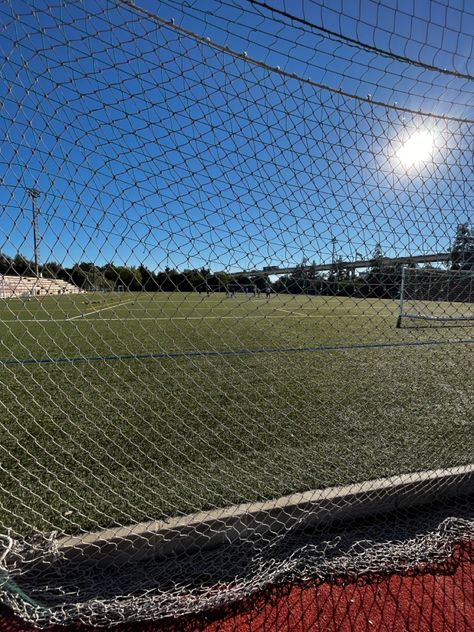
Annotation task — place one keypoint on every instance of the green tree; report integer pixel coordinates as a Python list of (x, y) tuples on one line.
[(6, 264), (462, 253), (22, 266), (51, 270), (219, 282), (90, 278), (148, 280)]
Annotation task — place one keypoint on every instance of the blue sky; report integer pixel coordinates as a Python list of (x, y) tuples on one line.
[(148, 146)]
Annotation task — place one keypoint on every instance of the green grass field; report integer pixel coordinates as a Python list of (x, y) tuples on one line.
[(119, 440)]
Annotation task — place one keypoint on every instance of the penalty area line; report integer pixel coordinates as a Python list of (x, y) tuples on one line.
[(101, 309), (280, 309)]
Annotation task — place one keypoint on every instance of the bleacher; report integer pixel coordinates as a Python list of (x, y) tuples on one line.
[(27, 287)]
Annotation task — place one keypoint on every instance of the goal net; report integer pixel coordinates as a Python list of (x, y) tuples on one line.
[(203, 392), (437, 296)]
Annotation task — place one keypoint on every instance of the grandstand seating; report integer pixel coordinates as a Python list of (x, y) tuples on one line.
[(24, 287)]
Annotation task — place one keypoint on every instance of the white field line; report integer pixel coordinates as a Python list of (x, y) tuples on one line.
[(280, 309), (138, 319), (160, 318), (101, 309)]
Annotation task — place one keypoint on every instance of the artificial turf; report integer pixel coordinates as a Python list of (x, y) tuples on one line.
[(115, 441)]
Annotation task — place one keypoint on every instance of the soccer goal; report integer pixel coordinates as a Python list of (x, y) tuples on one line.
[(437, 296)]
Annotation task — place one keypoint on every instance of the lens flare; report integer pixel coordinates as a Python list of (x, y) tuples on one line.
[(417, 149)]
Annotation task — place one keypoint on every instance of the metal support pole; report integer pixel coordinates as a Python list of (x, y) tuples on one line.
[(34, 195), (402, 294)]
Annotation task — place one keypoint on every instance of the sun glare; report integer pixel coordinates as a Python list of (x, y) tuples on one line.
[(417, 149)]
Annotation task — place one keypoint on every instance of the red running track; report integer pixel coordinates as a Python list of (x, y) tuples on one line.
[(435, 599)]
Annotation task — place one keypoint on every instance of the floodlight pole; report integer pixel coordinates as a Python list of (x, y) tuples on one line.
[(34, 195), (335, 272), (333, 256)]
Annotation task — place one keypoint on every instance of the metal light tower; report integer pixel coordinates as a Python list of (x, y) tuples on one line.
[(334, 267), (333, 254), (34, 195)]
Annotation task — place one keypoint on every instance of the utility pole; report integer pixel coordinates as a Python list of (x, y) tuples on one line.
[(34, 195)]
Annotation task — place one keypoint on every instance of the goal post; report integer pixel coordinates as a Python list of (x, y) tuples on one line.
[(436, 296)]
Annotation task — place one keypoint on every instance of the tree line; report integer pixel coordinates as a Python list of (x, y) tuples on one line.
[(88, 276), (381, 280)]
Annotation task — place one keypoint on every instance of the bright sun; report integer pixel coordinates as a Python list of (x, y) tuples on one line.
[(417, 149)]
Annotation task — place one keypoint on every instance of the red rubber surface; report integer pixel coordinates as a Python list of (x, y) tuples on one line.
[(435, 599)]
